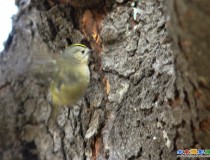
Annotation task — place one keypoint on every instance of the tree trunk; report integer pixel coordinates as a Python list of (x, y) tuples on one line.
[(149, 88)]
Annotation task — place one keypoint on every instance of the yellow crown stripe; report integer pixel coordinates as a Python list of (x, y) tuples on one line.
[(82, 45)]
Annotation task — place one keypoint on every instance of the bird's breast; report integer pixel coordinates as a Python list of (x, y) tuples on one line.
[(74, 82)]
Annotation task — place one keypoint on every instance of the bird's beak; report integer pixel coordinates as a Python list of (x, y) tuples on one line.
[(90, 51)]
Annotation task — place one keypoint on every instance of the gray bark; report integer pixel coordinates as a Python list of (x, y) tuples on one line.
[(149, 87)]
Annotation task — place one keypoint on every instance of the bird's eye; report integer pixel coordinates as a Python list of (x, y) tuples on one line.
[(83, 51)]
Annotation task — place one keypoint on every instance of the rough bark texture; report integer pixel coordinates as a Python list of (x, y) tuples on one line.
[(189, 27), (149, 88)]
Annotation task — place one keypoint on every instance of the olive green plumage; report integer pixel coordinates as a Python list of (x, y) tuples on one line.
[(72, 77), (69, 75)]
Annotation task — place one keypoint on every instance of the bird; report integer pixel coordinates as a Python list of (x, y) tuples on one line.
[(69, 75)]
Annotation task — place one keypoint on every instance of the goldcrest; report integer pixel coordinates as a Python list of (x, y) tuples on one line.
[(69, 75)]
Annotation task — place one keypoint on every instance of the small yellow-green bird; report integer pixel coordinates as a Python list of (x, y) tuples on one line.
[(72, 76), (69, 74)]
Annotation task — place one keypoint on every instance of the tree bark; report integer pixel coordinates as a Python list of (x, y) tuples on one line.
[(149, 88)]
